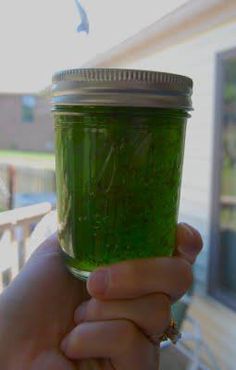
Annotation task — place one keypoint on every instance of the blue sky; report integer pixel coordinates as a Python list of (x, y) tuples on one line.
[(38, 38)]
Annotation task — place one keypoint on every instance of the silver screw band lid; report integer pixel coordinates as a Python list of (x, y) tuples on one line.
[(121, 87)]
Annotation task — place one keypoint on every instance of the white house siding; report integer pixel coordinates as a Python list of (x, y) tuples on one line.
[(196, 58)]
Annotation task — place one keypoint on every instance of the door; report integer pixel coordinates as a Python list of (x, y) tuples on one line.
[(222, 284)]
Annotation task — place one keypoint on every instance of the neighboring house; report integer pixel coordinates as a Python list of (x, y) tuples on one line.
[(25, 123), (199, 40)]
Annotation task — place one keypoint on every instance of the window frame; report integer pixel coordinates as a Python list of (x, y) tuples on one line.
[(215, 262)]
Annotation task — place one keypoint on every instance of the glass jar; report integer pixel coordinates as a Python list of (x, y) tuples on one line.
[(119, 150)]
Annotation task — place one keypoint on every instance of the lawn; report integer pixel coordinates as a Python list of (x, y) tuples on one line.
[(30, 155), (37, 159)]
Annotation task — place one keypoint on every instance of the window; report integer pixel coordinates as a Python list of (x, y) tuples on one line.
[(223, 243), (27, 105)]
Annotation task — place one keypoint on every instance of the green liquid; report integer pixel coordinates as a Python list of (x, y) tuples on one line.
[(118, 182)]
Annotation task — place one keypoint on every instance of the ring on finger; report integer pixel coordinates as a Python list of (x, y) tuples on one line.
[(171, 333)]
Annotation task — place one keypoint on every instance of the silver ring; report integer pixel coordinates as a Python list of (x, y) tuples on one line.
[(171, 333)]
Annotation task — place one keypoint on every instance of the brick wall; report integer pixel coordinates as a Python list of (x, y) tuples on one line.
[(15, 133)]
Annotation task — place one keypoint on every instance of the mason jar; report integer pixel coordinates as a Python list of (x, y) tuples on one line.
[(119, 151)]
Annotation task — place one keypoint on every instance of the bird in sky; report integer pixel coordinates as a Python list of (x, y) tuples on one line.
[(84, 22)]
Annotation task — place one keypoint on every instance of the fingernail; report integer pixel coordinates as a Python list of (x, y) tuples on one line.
[(187, 246), (80, 313), (98, 282), (64, 344)]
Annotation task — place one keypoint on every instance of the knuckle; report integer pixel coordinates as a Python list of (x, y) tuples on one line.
[(94, 310), (128, 334)]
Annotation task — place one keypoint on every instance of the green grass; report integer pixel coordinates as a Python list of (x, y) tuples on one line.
[(27, 155), (14, 157)]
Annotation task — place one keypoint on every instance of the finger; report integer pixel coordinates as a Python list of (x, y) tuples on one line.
[(118, 340), (188, 242), (151, 313), (132, 279)]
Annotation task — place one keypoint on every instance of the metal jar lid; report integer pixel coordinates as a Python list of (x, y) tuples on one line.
[(121, 87)]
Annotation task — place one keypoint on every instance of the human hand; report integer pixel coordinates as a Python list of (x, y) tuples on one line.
[(36, 311), (131, 302)]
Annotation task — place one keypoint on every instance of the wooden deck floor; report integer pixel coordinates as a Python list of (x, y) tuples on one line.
[(218, 325)]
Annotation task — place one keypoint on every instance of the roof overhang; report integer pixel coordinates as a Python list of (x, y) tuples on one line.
[(187, 21)]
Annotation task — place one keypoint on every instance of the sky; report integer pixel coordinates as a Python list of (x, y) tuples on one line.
[(38, 38)]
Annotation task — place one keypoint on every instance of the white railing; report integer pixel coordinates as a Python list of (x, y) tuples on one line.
[(15, 229)]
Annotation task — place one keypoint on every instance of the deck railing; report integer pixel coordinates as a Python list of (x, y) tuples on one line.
[(15, 228)]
